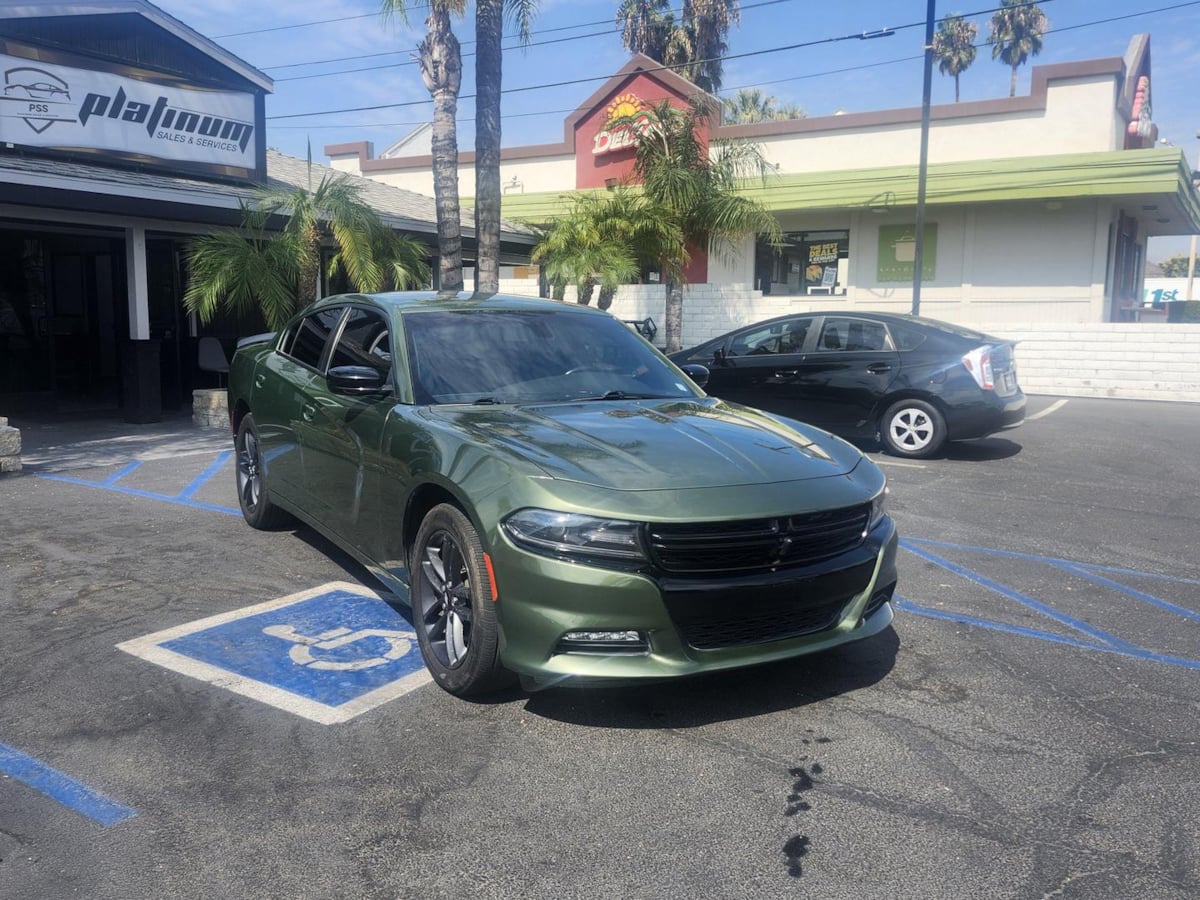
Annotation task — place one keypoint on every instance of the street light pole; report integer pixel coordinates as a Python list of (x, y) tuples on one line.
[(923, 170), (1192, 255)]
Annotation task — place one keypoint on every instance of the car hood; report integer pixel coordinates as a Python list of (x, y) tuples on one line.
[(649, 445)]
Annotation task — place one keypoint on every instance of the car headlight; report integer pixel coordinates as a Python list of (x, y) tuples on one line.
[(878, 509), (576, 536)]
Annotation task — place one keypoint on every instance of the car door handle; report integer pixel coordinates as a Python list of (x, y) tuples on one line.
[(259, 380), (879, 368), (308, 412), (786, 373)]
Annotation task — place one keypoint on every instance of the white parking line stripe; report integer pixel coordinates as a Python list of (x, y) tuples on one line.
[(900, 465), (1056, 405)]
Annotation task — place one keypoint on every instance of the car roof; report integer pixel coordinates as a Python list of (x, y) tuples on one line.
[(431, 301)]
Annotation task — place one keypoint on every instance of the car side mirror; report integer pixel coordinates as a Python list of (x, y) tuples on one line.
[(697, 373), (357, 381)]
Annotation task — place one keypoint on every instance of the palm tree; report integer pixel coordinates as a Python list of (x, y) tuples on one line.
[(693, 44), (645, 26), (602, 240), (706, 23), (278, 271), (1016, 34), (954, 46), (696, 188), (440, 59), (575, 251), (489, 26), (751, 105)]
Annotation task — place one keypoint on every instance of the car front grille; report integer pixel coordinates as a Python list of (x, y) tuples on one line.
[(752, 545), (741, 611)]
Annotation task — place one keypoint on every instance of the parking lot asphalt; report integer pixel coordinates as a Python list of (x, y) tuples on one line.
[(191, 708)]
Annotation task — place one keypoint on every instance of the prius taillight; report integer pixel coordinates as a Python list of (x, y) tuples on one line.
[(979, 364)]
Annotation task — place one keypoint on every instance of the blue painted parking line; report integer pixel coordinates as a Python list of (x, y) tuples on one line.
[(200, 480), (121, 473), (1024, 599), (1094, 638), (186, 497), (1132, 651), (327, 654), (62, 788)]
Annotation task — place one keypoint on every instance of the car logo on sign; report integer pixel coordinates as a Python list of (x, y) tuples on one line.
[(37, 89)]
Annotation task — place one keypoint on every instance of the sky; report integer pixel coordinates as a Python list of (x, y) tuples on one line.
[(342, 74)]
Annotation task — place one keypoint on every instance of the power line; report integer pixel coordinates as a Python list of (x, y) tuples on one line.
[(594, 78), (608, 31), (748, 54)]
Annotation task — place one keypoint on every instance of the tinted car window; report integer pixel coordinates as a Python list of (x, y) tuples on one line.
[(311, 335), (364, 341), (521, 357), (907, 337), (852, 334), (778, 337)]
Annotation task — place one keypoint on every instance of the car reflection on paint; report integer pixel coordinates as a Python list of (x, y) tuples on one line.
[(553, 497), (910, 382)]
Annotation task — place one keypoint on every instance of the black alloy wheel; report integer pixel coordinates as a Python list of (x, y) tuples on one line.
[(253, 497), (452, 605)]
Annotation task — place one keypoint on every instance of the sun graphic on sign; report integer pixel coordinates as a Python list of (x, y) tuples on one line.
[(623, 107)]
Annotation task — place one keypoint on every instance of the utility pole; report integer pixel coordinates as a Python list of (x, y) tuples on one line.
[(1192, 255), (923, 170)]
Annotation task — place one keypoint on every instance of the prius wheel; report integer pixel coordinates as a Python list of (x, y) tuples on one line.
[(253, 496), (912, 428), (453, 609)]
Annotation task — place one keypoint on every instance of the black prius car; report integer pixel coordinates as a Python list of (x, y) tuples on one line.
[(909, 382)]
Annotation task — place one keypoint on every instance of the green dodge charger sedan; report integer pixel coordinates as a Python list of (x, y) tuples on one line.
[(553, 497)]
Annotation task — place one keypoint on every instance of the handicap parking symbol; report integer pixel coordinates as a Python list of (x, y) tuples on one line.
[(328, 654)]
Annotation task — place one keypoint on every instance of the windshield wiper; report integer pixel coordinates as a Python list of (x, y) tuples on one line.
[(623, 395), (485, 401)]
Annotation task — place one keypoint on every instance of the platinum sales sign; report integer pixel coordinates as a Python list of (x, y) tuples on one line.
[(64, 108)]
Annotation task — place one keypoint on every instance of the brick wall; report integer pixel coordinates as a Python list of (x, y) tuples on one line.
[(1134, 361)]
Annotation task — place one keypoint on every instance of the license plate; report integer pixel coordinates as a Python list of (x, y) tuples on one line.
[(1009, 380)]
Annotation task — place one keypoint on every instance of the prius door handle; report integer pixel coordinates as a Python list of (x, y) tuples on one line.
[(879, 368), (786, 373)]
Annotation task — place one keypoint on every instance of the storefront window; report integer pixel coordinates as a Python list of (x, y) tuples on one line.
[(809, 263)]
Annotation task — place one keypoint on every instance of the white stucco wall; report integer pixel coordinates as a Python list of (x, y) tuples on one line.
[(1079, 117), (555, 173)]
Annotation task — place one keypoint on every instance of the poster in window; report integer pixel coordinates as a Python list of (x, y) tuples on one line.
[(897, 253)]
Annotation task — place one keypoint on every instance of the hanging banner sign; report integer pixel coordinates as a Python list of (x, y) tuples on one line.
[(63, 108)]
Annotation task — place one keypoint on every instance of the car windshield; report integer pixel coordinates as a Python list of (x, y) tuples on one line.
[(533, 356)]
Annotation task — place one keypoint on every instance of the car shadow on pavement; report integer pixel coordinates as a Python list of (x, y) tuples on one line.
[(982, 450), (724, 696), (355, 571)]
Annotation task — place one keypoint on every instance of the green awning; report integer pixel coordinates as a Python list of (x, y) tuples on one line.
[(1160, 177)]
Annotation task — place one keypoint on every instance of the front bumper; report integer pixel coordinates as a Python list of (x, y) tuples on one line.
[(691, 625)]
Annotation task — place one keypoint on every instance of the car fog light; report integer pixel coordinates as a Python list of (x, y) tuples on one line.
[(604, 643), (616, 637)]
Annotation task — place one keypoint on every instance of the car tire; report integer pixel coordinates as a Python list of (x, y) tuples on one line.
[(913, 429), (453, 610), (253, 495)]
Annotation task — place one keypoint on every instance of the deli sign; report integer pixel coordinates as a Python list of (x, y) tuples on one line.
[(628, 117), (65, 108)]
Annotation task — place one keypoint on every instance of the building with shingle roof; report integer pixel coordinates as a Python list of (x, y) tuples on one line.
[(124, 134)]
